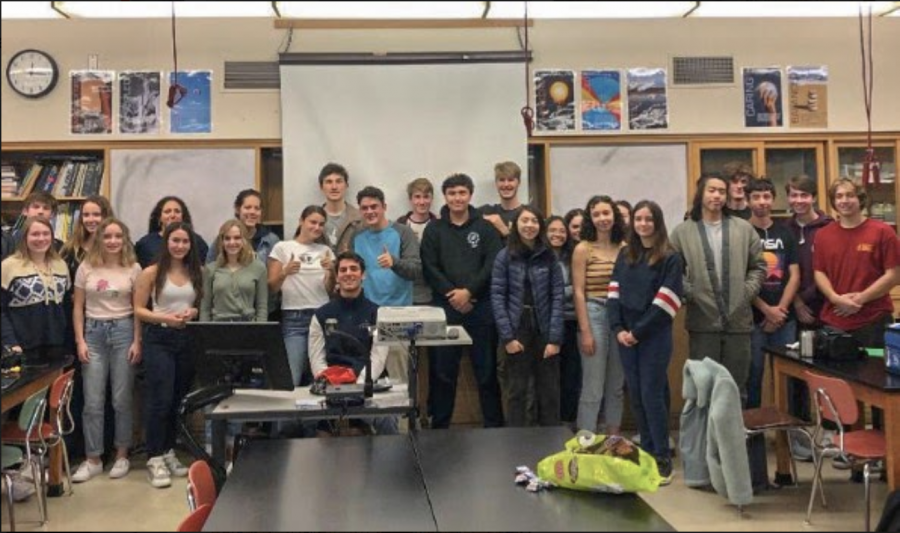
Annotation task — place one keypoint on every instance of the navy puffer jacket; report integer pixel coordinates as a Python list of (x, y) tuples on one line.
[(547, 285)]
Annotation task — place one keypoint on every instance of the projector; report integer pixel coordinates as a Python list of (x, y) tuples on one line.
[(412, 323)]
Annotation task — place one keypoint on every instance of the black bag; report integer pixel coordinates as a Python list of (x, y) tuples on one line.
[(835, 345)]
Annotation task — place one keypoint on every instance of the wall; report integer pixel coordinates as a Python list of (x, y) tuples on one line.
[(205, 44)]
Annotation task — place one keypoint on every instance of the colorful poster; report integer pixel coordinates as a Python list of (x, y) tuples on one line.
[(601, 100), (91, 110), (139, 102), (648, 103), (192, 112), (554, 97), (808, 97), (763, 102)]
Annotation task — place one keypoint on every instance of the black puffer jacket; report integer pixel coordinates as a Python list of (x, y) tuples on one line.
[(547, 286)]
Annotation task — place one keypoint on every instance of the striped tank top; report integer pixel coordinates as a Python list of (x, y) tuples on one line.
[(599, 272)]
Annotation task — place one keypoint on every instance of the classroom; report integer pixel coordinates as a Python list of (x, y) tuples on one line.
[(319, 103)]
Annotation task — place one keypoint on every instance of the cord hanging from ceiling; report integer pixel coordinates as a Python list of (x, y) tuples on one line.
[(871, 165), (176, 91), (527, 111)]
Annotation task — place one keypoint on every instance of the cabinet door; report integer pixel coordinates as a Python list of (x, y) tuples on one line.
[(882, 203), (786, 161), (711, 157)]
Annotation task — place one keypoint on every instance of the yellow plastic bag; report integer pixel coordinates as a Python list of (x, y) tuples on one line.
[(601, 464)]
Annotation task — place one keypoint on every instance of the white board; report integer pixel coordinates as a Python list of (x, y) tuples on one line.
[(655, 172), (207, 180)]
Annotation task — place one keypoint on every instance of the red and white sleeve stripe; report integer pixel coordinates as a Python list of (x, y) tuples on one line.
[(613, 290), (668, 301)]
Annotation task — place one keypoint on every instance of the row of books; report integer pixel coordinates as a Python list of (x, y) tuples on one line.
[(81, 177), (63, 223)]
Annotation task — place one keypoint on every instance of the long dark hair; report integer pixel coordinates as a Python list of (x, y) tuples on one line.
[(697, 207), (516, 246), (191, 261), (660, 248), (153, 226), (589, 232), (309, 210), (243, 195)]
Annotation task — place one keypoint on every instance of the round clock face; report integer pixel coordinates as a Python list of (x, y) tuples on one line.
[(32, 73)]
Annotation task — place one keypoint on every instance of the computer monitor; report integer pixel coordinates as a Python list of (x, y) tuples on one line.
[(241, 354)]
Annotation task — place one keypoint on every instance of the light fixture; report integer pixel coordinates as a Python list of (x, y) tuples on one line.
[(164, 9), (789, 9), (381, 10), (579, 10), (28, 10)]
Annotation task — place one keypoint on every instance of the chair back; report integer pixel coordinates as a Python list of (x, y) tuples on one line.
[(195, 520), (61, 399), (201, 486), (834, 398), (32, 413)]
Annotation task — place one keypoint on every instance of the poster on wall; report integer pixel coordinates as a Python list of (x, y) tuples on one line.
[(763, 102), (601, 100), (808, 96), (91, 110), (193, 112), (554, 97), (139, 102), (648, 103)]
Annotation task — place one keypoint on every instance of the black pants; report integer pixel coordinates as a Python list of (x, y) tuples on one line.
[(569, 373), (528, 371)]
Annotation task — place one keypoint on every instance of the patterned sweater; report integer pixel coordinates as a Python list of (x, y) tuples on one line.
[(33, 303)]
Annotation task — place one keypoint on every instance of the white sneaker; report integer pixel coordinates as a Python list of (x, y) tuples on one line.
[(87, 470), (22, 488), (174, 465), (158, 473), (120, 468)]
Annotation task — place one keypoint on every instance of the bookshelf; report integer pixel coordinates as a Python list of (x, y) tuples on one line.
[(69, 172)]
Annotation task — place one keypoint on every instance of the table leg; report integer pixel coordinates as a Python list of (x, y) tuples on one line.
[(892, 435), (782, 447), (219, 430), (54, 484)]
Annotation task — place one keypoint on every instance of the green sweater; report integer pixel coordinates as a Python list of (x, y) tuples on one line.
[(239, 295)]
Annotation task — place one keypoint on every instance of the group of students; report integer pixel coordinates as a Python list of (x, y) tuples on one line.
[(563, 311)]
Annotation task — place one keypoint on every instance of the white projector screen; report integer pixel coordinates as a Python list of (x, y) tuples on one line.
[(389, 124), (623, 172)]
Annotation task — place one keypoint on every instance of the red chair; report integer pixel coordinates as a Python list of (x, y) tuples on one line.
[(835, 402), (195, 520), (50, 433), (201, 488)]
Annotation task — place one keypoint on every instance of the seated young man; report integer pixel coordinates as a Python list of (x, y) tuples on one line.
[(351, 312)]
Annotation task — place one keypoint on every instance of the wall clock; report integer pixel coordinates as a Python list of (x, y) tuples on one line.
[(32, 73)]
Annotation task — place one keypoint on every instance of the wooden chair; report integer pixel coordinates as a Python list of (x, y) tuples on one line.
[(836, 402), (201, 488), (30, 417), (195, 520)]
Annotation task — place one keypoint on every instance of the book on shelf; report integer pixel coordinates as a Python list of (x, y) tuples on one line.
[(64, 178)]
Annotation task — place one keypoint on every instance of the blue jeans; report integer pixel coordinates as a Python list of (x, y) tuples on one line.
[(646, 367), (168, 372), (758, 340), (108, 344), (295, 329), (602, 380)]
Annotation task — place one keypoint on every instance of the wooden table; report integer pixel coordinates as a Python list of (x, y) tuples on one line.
[(32, 380), (871, 384)]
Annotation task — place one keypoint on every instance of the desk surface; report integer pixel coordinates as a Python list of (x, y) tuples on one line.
[(470, 479), (33, 379), (263, 405), (869, 372), (328, 484)]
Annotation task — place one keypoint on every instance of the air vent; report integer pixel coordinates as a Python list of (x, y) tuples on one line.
[(252, 75), (703, 70)]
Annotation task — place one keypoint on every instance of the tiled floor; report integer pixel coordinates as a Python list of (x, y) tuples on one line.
[(131, 504)]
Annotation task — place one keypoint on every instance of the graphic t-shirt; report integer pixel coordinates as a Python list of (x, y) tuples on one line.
[(306, 288), (107, 290), (779, 252)]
